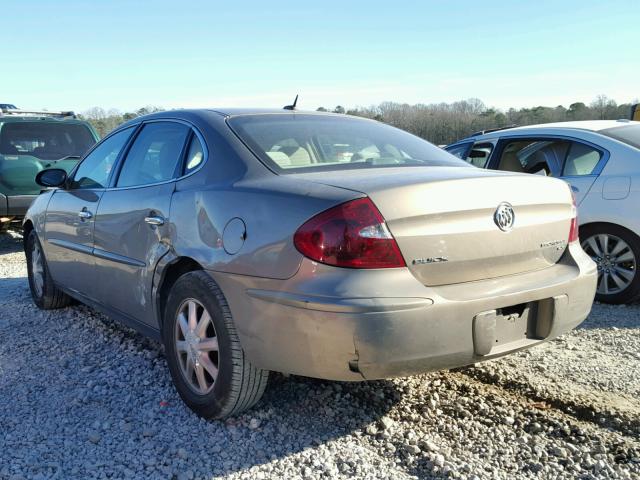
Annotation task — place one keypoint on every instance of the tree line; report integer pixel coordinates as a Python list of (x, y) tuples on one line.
[(440, 123)]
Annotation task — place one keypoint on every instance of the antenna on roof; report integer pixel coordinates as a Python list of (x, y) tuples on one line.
[(293, 106)]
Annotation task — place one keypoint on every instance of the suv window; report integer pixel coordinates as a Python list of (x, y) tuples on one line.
[(94, 170), (45, 140), (154, 155)]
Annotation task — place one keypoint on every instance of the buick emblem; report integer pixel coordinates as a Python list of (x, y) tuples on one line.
[(504, 216)]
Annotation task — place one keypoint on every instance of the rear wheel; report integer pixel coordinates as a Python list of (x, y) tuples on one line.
[(207, 363), (616, 251), (44, 292)]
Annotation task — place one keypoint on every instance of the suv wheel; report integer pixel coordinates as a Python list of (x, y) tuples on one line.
[(207, 363), (616, 251), (44, 292)]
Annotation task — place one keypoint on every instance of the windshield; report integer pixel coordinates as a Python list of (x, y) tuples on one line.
[(45, 140), (629, 134), (293, 143)]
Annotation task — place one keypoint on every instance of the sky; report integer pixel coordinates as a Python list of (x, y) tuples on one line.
[(128, 54)]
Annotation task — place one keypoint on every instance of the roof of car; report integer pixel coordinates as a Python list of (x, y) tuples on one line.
[(593, 125), (257, 111)]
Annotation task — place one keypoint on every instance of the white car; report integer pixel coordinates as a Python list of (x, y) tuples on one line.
[(600, 159)]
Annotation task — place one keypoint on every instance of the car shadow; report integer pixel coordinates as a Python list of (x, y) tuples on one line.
[(295, 413), (10, 242), (605, 316)]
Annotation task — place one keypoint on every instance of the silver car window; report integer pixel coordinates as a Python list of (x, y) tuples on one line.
[(154, 155), (95, 169)]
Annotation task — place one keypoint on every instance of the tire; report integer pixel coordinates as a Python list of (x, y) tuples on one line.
[(616, 250), (44, 292), (238, 385)]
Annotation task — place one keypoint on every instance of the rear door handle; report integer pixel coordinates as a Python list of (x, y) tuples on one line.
[(154, 220), (85, 215)]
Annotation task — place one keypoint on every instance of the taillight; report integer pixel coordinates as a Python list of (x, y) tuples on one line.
[(573, 230), (353, 234)]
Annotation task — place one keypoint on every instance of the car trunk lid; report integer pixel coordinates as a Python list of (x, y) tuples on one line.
[(444, 218)]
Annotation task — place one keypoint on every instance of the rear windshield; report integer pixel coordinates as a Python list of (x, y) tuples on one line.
[(293, 143), (45, 140), (629, 134)]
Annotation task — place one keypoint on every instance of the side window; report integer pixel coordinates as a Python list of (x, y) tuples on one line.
[(459, 151), (479, 154), (537, 156), (94, 170), (195, 155), (154, 155), (581, 160)]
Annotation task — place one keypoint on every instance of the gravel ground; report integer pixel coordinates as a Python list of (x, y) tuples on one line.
[(83, 397)]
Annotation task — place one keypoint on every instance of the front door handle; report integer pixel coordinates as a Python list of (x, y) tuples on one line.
[(85, 215), (154, 220)]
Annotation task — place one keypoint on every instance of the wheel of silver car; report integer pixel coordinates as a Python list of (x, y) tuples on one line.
[(616, 252), (37, 268), (44, 292), (196, 346), (207, 363)]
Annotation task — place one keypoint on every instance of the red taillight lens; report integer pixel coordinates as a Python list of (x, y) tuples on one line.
[(573, 231), (353, 235)]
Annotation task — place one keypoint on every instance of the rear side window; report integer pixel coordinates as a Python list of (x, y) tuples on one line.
[(45, 140), (195, 155), (553, 157), (154, 155), (94, 170), (581, 160)]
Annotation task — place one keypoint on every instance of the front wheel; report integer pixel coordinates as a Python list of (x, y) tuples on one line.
[(616, 251), (44, 292), (207, 363)]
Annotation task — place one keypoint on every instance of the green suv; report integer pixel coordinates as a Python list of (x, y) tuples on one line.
[(31, 142)]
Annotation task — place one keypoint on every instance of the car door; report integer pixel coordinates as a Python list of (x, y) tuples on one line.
[(71, 214), (575, 161), (132, 224)]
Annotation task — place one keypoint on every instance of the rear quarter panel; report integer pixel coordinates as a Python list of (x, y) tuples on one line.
[(272, 209)]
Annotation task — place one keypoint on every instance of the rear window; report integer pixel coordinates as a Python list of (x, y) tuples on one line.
[(629, 134), (45, 140), (289, 143)]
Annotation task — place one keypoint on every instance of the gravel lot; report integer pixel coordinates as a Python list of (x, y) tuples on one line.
[(83, 397)]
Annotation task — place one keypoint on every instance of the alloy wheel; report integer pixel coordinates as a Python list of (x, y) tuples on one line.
[(196, 346), (37, 269), (615, 259)]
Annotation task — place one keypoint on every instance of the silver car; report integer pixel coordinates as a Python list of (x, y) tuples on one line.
[(314, 244), (601, 162)]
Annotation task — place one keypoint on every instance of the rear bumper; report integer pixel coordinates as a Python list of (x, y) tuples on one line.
[(343, 324)]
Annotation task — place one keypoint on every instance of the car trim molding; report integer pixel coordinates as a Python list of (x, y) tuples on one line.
[(114, 257), (96, 252), (76, 247)]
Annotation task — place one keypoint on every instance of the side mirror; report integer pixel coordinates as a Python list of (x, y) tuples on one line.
[(53, 177)]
